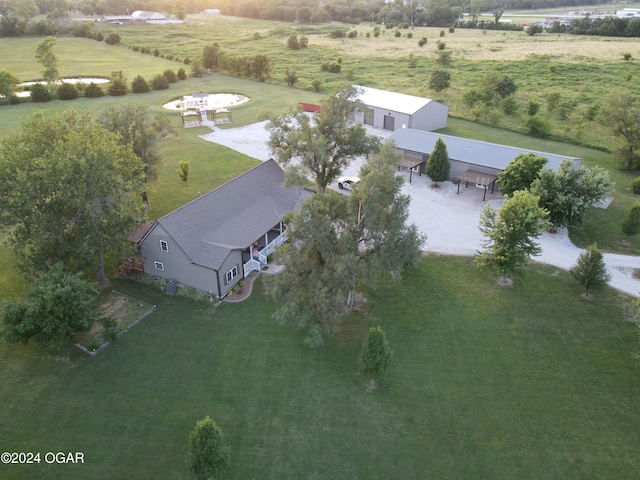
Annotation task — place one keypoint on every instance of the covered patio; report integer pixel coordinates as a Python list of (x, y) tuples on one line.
[(478, 178), (412, 163)]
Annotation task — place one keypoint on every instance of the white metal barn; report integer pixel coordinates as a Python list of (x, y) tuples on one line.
[(391, 110)]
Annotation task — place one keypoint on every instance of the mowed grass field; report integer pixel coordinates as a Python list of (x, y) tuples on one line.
[(530, 381)]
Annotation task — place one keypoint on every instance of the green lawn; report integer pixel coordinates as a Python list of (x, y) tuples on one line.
[(530, 381)]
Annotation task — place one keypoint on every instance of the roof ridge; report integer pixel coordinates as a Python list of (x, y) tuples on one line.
[(270, 161)]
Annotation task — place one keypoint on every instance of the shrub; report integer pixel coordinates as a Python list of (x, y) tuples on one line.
[(509, 106), (442, 33), (139, 85), (338, 33), (92, 91), (537, 126), (316, 84), (159, 82), (422, 42), (293, 43), (187, 61), (439, 80), (257, 36), (452, 29), (117, 88), (67, 91), (631, 225), (352, 34), (635, 186), (532, 107), (331, 67), (627, 56), (182, 75), (113, 39), (99, 37), (170, 76), (398, 34), (533, 29), (444, 57), (409, 35), (592, 111), (83, 30), (40, 93), (441, 45), (156, 53)]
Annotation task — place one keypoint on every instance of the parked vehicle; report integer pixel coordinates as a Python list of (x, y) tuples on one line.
[(348, 183)]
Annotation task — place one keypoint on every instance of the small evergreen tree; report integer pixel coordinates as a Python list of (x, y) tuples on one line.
[(438, 165), (118, 85), (170, 76), (207, 455), (112, 39), (590, 270), (159, 82), (92, 91), (631, 225), (40, 93), (139, 85), (67, 91), (375, 356)]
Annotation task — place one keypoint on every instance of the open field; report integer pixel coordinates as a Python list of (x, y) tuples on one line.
[(488, 382)]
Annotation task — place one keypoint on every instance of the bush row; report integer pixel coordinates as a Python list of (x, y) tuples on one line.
[(117, 87)]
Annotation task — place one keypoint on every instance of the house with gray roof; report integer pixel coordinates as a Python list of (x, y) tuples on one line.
[(391, 111), (214, 241), (470, 159)]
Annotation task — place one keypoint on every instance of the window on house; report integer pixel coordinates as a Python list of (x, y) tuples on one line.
[(164, 246), (159, 266), (231, 274)]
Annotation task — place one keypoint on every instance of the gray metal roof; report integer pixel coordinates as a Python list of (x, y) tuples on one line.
[(233, 215), (473, 152)]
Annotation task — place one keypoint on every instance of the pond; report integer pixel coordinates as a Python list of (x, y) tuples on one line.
[(84, 80)]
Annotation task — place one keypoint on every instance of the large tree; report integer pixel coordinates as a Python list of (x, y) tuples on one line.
[(56, 305), (49, 61), (322, 145), (65, 192), (590, 270), (141, 130), (569, 192), (621, 113), (520, 173), (510, 233), (439, 165), (337, 240)]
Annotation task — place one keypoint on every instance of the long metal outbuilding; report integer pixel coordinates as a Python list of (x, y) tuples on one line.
[(472, 161)]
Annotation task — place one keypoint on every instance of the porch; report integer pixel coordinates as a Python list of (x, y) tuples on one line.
[(255, 256)]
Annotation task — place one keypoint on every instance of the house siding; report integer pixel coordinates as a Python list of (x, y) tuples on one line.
[(233, 260), (177, 265)]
